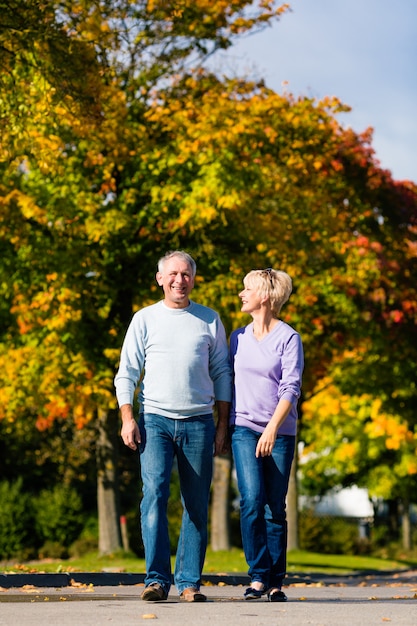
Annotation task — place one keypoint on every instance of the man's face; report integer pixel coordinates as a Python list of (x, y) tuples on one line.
[(177, 281)]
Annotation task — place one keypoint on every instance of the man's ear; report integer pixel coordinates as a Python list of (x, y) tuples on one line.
[(158, 277)]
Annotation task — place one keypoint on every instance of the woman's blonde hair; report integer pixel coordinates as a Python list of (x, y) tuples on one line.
[(275, 284)]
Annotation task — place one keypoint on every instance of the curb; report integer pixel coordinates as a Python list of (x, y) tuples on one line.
[(103, 579), (115, 579)]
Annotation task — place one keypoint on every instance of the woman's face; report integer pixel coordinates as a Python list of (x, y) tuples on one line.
[(251, 300)]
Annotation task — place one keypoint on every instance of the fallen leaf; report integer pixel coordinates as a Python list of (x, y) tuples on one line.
[(73, 583), (149, 616), (30, 589)]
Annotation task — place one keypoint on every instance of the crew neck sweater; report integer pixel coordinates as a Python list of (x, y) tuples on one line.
[(179, 358)]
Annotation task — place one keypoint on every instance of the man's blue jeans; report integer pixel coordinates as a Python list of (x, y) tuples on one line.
[(191, 440), (263, 486)]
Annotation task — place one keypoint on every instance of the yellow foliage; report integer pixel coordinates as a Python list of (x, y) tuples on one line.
[(390, 427), (412, 464), (52, 309), (349, 424), (347, 452), (30, 209)]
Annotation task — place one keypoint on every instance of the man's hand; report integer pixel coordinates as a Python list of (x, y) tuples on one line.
[(130, 430), (221, 442)]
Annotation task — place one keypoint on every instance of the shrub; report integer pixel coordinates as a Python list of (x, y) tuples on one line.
[(134, 534), (174, 511), (87, 540), (59, 517), (53, 550), (329, 535), (310, 529), (17, 538)]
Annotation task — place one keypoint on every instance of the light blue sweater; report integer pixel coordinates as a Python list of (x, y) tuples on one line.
[(180, 359)]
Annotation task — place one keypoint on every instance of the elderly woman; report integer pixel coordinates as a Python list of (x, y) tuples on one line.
[(267, 359)]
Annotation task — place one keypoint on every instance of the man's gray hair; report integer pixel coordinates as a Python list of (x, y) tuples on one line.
[(180, 254)]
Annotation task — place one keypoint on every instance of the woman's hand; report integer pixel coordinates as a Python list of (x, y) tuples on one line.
[(266, 441)]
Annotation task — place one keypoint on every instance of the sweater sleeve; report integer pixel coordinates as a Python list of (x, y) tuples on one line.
[(220, 371), (132, 360), (292, 363)]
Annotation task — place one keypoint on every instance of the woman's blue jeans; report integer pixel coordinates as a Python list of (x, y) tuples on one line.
[(191, 441), (263, 486)]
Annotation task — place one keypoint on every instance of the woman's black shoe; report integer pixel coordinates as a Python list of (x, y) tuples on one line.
[(277, 596), (254, 594)]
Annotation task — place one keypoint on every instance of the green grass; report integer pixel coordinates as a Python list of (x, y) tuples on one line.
[(300, 561), (232, 561)]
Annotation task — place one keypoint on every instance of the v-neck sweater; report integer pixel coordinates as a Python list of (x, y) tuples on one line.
[(265, 371)]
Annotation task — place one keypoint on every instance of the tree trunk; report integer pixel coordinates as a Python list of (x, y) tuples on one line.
[(292, 506), (220, 531), (110, 539), (405, 524)]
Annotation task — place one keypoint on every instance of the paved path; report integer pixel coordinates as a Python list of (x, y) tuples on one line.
[(312, 601)]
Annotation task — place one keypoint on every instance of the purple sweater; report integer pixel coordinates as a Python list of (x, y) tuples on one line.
[(264, 372)]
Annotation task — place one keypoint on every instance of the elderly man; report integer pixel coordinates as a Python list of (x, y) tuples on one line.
[(176, 350)]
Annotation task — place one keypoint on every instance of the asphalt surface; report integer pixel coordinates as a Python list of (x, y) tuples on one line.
[(315, 600)]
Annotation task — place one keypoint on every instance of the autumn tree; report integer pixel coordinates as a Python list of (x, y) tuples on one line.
[(365, 409), (81, 226), (104, 170), (294, 189)]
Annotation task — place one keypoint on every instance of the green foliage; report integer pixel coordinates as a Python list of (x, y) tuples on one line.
[(53, 550), (87, 540), (17, 538), (62, 454), (360, 442), (175, 510), (134, 535), (330, 535), (59, 516)]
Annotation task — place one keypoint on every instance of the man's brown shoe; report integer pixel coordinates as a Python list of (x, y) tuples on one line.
[(193, 595), (154, 593)]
